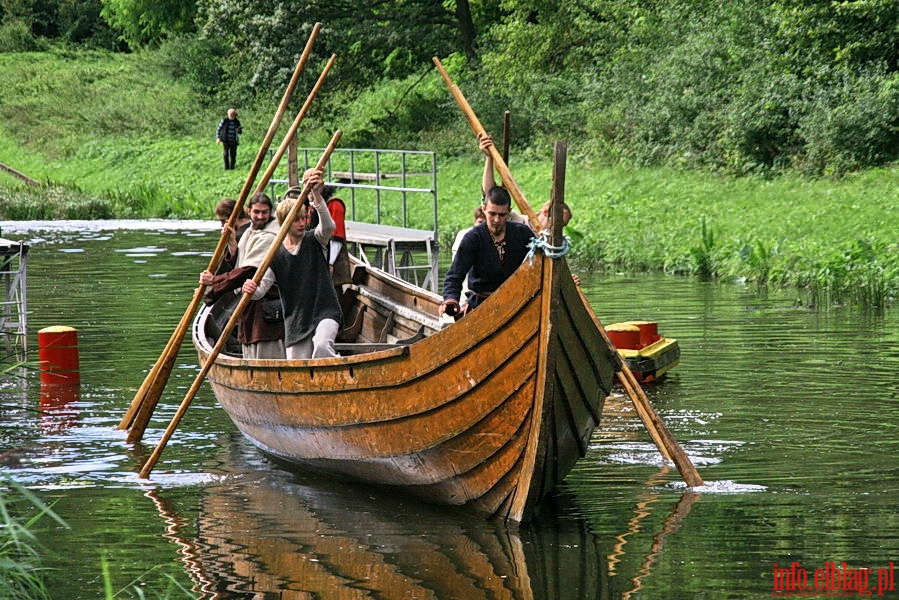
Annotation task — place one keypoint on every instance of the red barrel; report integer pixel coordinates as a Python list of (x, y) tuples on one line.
[(58, 354), (624, 335)]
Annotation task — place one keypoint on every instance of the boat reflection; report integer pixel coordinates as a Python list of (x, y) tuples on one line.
[(273, 537)]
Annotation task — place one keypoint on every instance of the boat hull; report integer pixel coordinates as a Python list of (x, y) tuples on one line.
[(491, 412)]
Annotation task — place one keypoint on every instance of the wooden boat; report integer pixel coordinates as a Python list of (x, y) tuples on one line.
[(648, 355), (491, 412)]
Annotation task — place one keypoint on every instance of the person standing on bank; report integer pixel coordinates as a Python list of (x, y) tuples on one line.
[(312, 314), (228, 135)]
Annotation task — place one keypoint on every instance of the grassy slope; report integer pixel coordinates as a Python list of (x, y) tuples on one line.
[(116, 125)]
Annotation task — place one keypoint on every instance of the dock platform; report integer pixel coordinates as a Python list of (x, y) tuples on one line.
[(395, 250)]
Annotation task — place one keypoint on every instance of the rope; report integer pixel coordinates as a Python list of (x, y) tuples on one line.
[(541, 242)]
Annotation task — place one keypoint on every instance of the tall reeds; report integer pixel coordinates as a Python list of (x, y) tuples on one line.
[(21, 574)]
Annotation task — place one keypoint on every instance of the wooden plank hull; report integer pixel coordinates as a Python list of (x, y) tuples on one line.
[(491, 412)]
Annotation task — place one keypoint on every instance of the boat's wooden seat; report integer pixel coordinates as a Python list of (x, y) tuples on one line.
[(350, 348), (351, 332)]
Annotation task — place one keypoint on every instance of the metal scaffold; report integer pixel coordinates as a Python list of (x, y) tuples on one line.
[(14, 304)]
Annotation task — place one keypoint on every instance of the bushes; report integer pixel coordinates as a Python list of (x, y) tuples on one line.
[(16, 36), (199, 62), (51, 203), (851, 123), (748, 87)]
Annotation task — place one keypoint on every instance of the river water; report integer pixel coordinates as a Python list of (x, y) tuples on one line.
[(789, 412)]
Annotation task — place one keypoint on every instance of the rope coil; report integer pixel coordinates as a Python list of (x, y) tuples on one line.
[(541, 242)]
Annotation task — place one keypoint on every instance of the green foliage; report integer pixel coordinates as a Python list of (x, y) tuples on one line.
[(400, 114), (144, 22), (858, 272), (743, 87), (57, 202), (79, 22), (20, 573), (56, 97), (16, 36), (199, 62), (759, 259), (373, 41), (852, 123), (703, 253), (34, 23)]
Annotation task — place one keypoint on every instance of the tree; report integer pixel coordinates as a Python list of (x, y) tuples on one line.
[(373, 39), (144, 22)]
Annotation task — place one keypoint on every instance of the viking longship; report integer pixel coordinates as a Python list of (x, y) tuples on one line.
[(490, 412)]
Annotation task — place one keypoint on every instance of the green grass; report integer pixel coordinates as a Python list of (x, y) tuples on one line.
[(115, 136), (21, 574)]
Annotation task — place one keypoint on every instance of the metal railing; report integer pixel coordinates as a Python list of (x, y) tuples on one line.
[(383, 188), (361, 170), (14, 302)]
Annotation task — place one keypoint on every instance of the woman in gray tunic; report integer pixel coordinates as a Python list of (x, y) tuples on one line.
[(312, 314)]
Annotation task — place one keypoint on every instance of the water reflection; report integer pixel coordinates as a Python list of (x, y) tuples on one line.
[(59, 407), (273, 536)]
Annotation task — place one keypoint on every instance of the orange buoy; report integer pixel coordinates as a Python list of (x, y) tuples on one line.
[(625, 336), (58, 354)]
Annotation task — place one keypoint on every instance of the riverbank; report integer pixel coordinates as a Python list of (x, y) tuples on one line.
[(835, 239), (148, 151)]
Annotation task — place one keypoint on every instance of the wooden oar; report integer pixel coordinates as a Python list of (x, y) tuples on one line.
[(507, 135), (498, 162), (658, 431), (660, 434), (146, 409), (241, 305), (155, 381)]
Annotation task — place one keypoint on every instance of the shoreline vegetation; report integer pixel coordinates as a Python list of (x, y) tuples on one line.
[(109, 137)]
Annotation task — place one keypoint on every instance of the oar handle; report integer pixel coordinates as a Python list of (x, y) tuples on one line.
[(263, 149), (292, 130), (508, 181), (156, 379), (238, 310)]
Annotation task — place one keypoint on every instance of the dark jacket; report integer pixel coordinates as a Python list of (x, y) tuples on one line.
[(478, 259), (229, 131), (251, 327)]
